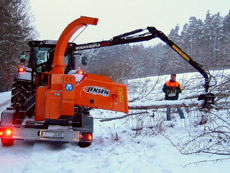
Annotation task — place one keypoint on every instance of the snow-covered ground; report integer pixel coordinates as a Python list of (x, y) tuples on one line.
[(116, 147)]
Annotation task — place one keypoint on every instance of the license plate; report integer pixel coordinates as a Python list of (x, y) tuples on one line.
[(48, 134)]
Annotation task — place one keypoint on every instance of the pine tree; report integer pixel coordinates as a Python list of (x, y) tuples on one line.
[(15, 30), (226, 41)]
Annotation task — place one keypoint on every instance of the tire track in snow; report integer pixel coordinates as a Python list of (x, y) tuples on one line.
[(49, 157), (14, 159)]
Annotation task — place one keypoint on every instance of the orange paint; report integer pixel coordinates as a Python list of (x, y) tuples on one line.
[(53, 104), (98, 92), (68, 95), (40, 103)]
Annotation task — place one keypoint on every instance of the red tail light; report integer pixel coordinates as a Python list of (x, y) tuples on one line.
[(7, 132), (86, 137), (21, 69), (80, 72)]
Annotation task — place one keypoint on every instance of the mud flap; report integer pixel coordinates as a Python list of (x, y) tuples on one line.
[(7, 117), (87, 122)]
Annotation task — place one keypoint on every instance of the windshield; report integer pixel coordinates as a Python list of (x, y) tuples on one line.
[(45, 54), (41, 55), (38, 55)]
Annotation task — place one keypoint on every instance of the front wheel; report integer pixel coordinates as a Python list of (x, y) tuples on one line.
[(7, 142)]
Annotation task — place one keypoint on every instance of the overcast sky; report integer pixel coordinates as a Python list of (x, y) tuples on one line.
[(119, 16)]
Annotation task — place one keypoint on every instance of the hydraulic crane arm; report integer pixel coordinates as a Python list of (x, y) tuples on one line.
[(170, 43), (140, 35)]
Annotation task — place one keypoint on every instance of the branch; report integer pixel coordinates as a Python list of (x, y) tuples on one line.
[(121, 117), (205, 161)]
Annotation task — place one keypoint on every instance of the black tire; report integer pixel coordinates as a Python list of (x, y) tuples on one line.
[(23, 97), (84, 144), (7, 142)]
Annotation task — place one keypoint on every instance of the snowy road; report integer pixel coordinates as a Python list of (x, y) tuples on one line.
[(125, 152)]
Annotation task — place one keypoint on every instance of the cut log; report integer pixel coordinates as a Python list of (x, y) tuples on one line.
[(165, 104)]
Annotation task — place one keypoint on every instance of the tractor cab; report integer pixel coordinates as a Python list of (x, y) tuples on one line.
[(42, 52), (40, 58)]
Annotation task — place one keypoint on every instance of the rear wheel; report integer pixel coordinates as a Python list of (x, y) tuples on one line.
[(7, 142), (23, 98), (84, 144), (85, 139)]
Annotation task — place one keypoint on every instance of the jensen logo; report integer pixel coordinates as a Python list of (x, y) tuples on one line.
[(96, 90)]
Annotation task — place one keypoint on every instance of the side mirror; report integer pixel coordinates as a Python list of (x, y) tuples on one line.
[(23, 57), (84, 60)]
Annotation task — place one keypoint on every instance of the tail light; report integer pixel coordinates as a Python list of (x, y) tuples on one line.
[(6, 137), (6, 133), (21, 69), (86, 137), (80, 72)]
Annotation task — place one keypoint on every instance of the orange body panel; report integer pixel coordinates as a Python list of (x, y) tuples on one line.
[(53, 104), (68, 95), (56, 81), (100, 92), (40, 103)]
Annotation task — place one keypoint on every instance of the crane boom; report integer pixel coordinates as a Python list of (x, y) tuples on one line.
[(147, 34), (152, 32)]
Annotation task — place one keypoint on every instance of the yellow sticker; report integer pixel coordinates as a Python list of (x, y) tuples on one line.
[(121, 98), (121, 95), (181, 53), (120, 91), (58, 79)]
